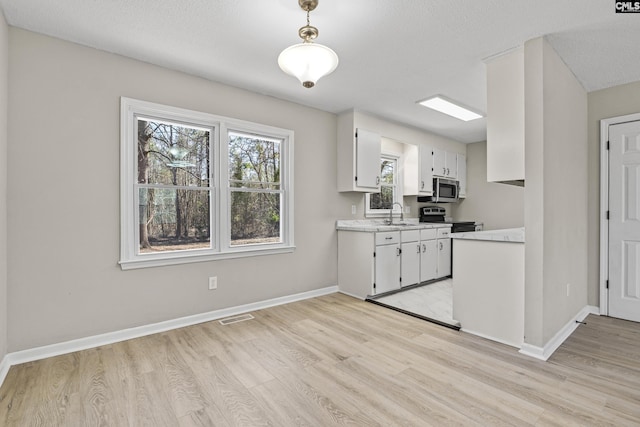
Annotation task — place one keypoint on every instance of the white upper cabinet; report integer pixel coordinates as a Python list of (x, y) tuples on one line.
[(418, 170), (358, 156), (505, 118), (368, 147), (462, 175), (445, 164)]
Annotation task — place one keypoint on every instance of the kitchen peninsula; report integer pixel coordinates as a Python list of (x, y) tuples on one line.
[(488, 284)]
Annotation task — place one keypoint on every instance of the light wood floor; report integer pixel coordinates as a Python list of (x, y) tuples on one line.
[(330, 361)]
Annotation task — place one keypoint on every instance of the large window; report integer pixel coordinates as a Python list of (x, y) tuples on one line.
[(379, 204), (199, 187)]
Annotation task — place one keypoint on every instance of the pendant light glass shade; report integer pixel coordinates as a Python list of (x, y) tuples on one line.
[(308, 62)]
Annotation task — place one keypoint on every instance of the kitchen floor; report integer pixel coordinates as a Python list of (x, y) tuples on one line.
[(433, 301)]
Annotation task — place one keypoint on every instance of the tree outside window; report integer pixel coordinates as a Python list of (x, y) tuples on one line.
[(254, 184), (173, 186), (380, 203)]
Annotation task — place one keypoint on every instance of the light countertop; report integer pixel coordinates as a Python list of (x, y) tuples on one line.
[(513, 235), (376, 225)]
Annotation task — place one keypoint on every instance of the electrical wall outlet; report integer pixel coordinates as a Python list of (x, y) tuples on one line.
[(353, 210), (213, 282)]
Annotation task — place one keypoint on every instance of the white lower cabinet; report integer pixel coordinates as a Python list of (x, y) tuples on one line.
[(371, 263), (444, 252), (387, 274), (423, 255), (410, 260), (429, 255)]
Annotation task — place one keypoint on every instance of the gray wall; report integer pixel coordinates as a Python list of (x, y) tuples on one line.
[(555, 193), (63, 219), (496, 205), (4, 86), (616, 101)]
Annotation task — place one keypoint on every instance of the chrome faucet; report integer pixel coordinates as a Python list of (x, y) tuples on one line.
[(391, 212)]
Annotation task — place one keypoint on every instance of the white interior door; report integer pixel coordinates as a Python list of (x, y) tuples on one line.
[(624, 221)]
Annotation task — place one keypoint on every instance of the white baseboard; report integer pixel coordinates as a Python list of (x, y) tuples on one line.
[(543, 353), (44, 352), (4, 369), (478, 334)]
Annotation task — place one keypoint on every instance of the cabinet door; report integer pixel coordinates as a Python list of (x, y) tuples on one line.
[(425, 186), (428, 260), (439, 162), (451, 164), (444, 257), (368, 147), (410, 263), (462, 175), (387, 268)]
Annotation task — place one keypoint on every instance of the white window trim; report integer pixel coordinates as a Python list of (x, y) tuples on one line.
[(130, 109), (398, 196)]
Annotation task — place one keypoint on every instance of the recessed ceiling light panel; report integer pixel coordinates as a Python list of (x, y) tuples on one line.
[(446, 106)]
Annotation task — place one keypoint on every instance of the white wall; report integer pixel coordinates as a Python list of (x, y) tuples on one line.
[(498, 206), (4, 86), (555, 193), (64, 281), (616, 101)]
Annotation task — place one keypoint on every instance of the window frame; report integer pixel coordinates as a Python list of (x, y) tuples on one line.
[(397, 194), (220, 202)]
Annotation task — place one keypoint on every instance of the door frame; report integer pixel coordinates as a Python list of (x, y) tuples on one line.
[(604, 204)]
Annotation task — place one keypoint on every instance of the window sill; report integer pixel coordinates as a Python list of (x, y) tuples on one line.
[(188, 259)]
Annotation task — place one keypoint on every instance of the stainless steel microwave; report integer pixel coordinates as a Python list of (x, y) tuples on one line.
[(444, 191)]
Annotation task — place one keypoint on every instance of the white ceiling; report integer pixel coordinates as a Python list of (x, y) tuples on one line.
[(392, 52)]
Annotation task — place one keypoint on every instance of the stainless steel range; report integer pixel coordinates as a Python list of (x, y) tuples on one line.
[(438, 214)]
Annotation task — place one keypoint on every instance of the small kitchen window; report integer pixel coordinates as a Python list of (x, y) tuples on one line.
[(199, 187), (379, 204)]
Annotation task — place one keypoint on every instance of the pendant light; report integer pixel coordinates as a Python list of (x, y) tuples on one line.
[(308, 61)]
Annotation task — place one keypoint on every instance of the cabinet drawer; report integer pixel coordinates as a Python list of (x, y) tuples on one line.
[(444, 233), (387, 237), (429, 234), (410, 236)]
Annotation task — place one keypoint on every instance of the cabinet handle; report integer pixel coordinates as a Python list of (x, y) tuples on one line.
[(440, 245), (444, 171), (418, 248), (447, 171), (398, 252), (423, 185), (424, 248), (377, 180), (388, 238)]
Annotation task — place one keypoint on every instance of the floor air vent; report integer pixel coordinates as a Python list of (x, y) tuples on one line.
[(235, 319)]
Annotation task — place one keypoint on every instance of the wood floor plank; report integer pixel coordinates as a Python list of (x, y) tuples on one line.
[(238, 405), (282, 408), (412, 399), (379, 406), (329, 361)]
